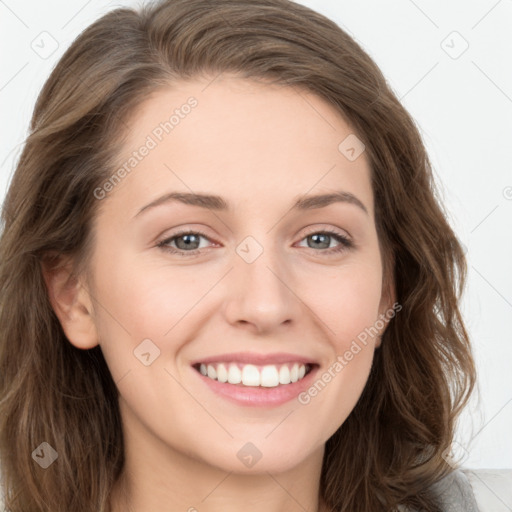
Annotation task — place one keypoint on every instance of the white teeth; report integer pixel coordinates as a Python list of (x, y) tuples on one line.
[(284, 375), (222, 373), (234, 374), (250, 375), (268, 376), (294, 373), (212, 372)]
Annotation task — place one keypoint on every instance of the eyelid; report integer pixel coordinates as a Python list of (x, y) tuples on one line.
[(161, 242), (320, 228), (344, 239), (312, 230), (183, 230)]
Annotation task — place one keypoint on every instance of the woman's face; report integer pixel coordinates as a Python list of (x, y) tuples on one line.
[(262, 289)]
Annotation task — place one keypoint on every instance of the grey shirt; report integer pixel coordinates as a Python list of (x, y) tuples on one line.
[(456, 493)]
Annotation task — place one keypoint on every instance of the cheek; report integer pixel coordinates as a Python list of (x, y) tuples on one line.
[(136, 303), (349, 310), (347, 302)]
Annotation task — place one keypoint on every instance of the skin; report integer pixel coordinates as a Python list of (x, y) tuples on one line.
[(260, 147)]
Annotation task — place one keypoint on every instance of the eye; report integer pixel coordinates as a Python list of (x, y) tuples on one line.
[(323, 239), (188, 242)]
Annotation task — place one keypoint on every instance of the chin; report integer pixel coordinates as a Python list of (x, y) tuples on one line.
[(246, 457)]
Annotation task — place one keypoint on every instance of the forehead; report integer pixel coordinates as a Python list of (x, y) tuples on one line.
[(245, 140)]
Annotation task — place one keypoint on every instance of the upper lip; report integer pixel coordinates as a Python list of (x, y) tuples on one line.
[(255, 358)]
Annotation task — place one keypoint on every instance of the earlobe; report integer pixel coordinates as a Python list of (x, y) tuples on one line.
[(70, 302)]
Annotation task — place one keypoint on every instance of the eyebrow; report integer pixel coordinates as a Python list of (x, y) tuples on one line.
[(217, 203)]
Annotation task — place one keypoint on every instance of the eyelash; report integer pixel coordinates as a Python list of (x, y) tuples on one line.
[(345, 243)]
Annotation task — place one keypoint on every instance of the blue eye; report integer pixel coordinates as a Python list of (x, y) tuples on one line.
[(188, 243), (323, 238)]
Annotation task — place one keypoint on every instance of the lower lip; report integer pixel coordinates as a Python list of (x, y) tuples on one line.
[(259, 395)]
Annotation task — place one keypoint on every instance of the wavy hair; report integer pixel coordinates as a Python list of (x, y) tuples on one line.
[(388, 452)]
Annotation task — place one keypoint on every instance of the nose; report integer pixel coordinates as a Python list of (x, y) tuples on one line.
[(262, 295)]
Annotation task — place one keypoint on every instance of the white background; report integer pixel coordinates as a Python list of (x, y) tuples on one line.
[(462, 104)]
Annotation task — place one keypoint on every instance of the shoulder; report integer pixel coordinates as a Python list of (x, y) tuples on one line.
[(492, 488), (476, 490), (456, 493)]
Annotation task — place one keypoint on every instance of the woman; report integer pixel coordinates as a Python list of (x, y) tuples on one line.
[(308, 352)]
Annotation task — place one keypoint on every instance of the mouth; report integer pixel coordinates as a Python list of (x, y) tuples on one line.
[(253, 375), (250, 379)]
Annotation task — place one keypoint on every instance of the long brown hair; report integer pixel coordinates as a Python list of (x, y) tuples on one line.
[(389, 450)]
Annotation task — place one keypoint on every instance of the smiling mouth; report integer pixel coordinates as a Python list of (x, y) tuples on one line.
[(250, 375)]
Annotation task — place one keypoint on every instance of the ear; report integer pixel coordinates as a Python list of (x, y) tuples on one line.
[(71, 302)]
